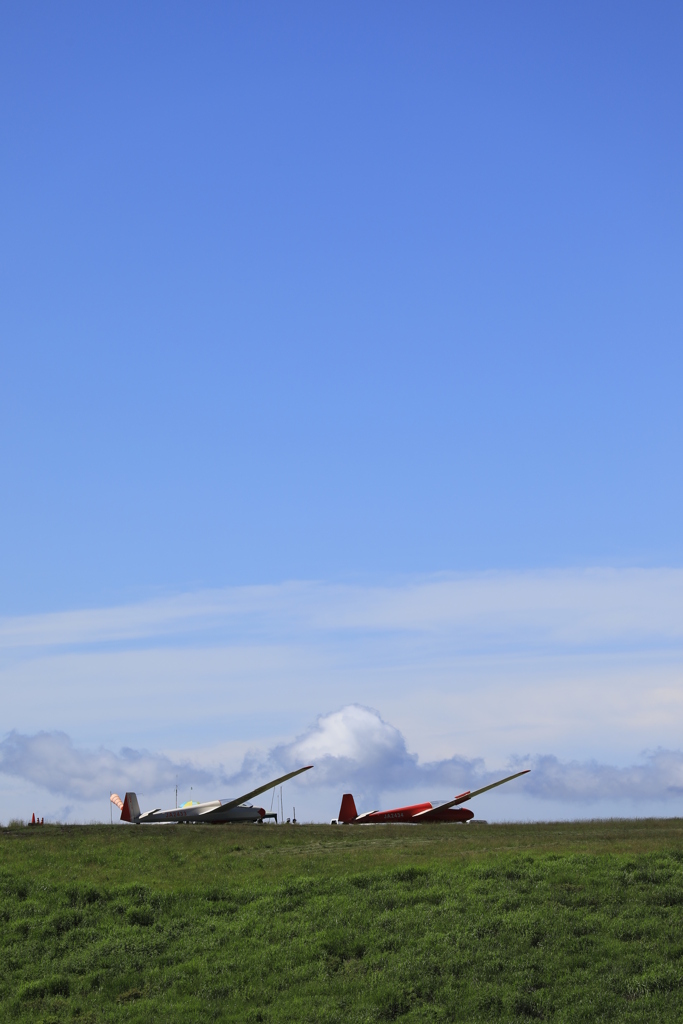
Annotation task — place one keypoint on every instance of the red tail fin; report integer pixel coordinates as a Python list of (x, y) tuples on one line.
[(347, 811), (131, 809)]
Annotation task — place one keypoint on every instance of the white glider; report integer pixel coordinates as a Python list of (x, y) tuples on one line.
[(213, 812)]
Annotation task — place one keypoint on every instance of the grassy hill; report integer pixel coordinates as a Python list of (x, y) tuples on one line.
[(564, 922)]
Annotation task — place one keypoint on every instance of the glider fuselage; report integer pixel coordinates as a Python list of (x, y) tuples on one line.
[(407, 814), (208, 812)]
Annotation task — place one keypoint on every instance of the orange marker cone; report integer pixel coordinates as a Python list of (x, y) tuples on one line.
[(33, 819)]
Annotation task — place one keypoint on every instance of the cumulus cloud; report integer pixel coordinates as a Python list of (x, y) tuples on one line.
[(50, 759), (356, 745)]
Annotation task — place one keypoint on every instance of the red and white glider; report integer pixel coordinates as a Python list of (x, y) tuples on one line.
[(415, 813)]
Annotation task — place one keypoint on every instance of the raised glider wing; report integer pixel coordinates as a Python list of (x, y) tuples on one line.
[(214, 812), (416, 814)]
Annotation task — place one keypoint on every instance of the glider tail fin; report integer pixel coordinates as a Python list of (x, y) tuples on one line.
[(131, 808), (347, 811)]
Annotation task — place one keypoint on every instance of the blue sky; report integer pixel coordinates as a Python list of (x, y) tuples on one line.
[(358, 297)]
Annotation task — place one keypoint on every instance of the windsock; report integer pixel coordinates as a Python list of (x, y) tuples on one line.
[(117, 801)]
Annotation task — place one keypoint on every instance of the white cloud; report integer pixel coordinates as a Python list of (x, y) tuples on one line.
[(356, 746), (353, 734), (50, 760), (568, 607), (658, 776)]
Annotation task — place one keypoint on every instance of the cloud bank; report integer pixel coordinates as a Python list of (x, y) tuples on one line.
[(50, 760), (352, 748), (659, 776)]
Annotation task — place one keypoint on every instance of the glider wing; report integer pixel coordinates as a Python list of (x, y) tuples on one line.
[(254, 792), (464, 797)]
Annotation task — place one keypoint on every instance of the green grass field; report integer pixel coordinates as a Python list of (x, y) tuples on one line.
[(569, 922)]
